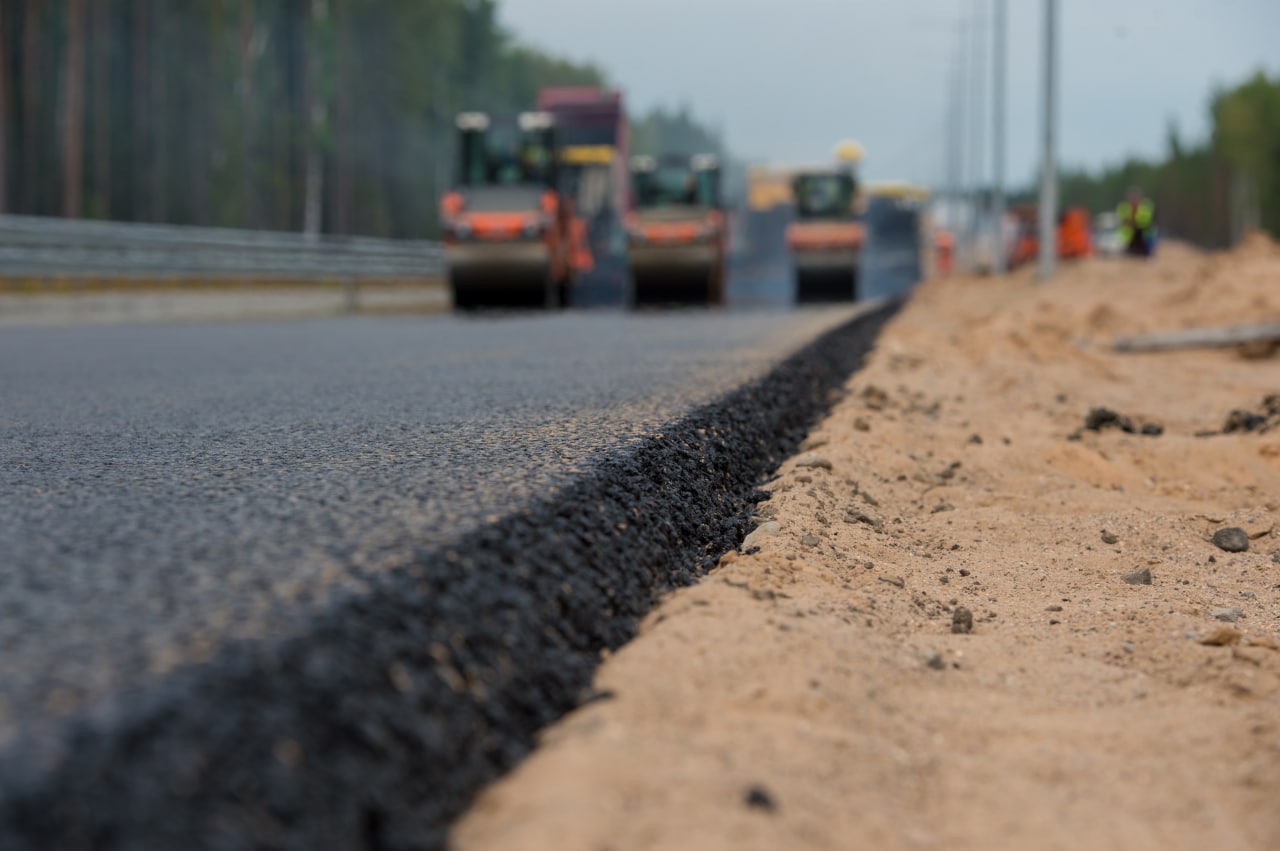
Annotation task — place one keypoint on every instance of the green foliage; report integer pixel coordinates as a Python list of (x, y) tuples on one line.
[(678, 132), (1246, 135), (209, 111), (1207, 193), (673, 132)]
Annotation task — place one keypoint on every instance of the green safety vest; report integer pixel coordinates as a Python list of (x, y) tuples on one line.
[(1142, 218)]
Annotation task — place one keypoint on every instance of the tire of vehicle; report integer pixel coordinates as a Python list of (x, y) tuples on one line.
[(716, 294), (675, 287), (462, 296), (826, 287), (519, 291)]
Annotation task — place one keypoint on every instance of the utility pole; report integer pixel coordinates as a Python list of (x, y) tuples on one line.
[(953, 141), (1049, 163), (999, 61), (978, 83), (964, 70)]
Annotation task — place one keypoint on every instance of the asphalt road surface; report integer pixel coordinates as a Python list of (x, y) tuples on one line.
[(165, 490)]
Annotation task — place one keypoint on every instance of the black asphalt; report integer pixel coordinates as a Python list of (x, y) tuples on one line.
[(238, 560)]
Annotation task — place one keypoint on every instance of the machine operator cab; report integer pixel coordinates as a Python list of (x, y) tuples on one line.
[(826, 196), (676, 182), (506, 158)]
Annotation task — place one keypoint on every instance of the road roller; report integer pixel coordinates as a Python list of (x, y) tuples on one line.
[(511, 238), (676, 233), (826, 237)]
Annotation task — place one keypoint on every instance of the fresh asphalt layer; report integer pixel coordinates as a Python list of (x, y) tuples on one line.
[(310, 584)]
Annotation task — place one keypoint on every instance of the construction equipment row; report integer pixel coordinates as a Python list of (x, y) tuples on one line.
[(549, 208)]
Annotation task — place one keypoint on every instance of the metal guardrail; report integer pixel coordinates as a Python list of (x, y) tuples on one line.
[(38, 247)]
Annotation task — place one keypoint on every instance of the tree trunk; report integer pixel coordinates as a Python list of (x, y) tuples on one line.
[(244, 86), (5, 122), (201, 113), (140, 121), (158, 111), (104, 38), (30, 105), (73, 116), (316, 47), (340, 189)]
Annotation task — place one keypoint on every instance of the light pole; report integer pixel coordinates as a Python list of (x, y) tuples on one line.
[(1049, 163), (964, 67), (999, 61), (976, 126), (955, 142), (960, 129)]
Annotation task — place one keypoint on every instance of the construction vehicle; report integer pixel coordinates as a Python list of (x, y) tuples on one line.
[(826, 238), (676, 234), (897, 254), (510, 237), (594, 150), (768, 188), (769, 209)]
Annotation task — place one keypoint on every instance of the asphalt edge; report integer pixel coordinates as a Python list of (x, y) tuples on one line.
[(376, 728)]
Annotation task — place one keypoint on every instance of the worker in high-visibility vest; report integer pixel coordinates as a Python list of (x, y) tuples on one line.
[(1137, 219)]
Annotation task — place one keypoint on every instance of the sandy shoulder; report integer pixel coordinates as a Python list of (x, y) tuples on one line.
[(811, 693)]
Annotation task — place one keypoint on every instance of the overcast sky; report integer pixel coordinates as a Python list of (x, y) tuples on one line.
[(786, 79)]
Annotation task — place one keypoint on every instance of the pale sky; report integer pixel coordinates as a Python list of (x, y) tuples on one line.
[(787, 79)]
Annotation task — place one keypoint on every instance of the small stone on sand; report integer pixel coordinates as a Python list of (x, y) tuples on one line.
[(1232, 539)]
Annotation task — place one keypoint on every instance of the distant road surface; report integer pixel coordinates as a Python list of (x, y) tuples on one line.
[(167, 489)]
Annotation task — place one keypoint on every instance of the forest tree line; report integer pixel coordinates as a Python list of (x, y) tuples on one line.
[(323, 116), (1209, 193)]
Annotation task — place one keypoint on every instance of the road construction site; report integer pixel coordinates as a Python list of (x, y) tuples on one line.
[(483, 424), (1016, 581)]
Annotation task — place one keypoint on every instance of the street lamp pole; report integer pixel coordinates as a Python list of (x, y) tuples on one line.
[(999, 61), (963, 117), (978, 150), (1049, 163), (955, 142)]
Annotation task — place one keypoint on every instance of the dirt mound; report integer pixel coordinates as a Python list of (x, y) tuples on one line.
[(1257, 243), (1120, 685)]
